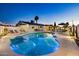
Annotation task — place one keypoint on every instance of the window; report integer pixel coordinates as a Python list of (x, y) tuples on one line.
[(33, 27)]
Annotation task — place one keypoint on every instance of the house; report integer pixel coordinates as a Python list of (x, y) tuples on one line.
[(4, 28), (28, 26), (48, 28), (31, 27)]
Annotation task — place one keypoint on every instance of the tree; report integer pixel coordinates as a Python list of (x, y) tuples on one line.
[(54, 23), (73, 33), (36, 18), (54, 26), (32, 21), (67, 24)]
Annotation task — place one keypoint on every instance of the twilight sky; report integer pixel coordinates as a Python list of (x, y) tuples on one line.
[(48, 12)]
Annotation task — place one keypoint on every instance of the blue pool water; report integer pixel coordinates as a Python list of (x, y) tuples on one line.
[(34, 44)]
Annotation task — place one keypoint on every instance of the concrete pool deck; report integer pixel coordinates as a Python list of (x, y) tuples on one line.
[(68, 47)]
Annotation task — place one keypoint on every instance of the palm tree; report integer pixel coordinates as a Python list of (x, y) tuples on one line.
[(36, 18)]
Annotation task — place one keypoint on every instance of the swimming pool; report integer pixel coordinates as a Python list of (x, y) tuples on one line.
[(34, 44)]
